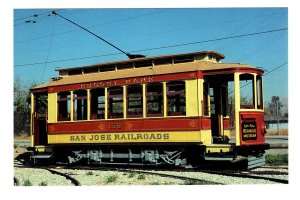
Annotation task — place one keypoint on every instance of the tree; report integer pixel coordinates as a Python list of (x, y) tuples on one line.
[(275, 106), (21, 108)]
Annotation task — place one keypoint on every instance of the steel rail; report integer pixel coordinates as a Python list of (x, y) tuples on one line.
[(244, 175), (72, 179)]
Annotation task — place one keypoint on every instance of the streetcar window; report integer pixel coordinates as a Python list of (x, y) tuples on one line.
[(163, 61), (97, 103), (107, 68), (124, 66), (80, 105), (205, 99), (64, 106), (90, 70), (154, 98), (259, 92), (75, 72), (183, 59), (134, 101), (143, 64), (115, 102), (176, 98), (247, 91)]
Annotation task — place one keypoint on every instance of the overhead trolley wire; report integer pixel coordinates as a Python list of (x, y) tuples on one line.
[(163, 47), (130, 56), (274, 69), (107, 23)]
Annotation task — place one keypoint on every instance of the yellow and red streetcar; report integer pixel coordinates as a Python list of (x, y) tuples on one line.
[(172, 109)]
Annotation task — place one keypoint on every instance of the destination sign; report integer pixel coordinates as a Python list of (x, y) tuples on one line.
[(249, 130)]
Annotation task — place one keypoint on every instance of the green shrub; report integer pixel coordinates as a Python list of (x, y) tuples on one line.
[(279, 159), (141, 177), (27, 183), (43, 184), (89, 173), (111, 178), (131, 174)]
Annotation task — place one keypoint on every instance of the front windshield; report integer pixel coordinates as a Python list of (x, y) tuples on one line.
[(247, 91)]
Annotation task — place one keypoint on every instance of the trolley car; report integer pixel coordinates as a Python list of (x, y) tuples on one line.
[(172, 109)]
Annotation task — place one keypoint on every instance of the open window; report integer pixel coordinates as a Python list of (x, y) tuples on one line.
[(176, 98), (134, 101), (154, 96), (64, 106), (80, 105), (115, 102), (98, 103)]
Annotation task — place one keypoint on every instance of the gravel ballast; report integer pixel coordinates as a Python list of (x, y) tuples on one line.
[(97, 177)]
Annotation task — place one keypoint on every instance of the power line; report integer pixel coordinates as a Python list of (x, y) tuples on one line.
[(276, 68), (38, 15), (130, 56), (49, 49), (34, 15), (103, 24), (163, 47), (231, 91)]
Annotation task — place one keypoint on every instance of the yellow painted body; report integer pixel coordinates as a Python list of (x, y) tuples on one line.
[(192, 98), (128, 137), (219, 148), (52, 107)]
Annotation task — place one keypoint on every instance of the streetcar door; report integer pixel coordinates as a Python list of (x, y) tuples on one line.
[(39, 118), (217, 89)]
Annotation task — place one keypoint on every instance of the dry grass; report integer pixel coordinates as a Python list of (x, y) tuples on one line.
[(22, 136), (283, 131)]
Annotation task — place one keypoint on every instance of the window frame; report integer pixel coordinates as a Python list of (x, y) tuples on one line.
[(111, 102), (259, 92), (129, 96), (68, 105), (82, 99), (160, 100), (252, 98), (177, 97), (94, 106)]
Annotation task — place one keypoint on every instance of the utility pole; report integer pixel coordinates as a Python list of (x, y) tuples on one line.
[(277, 108)]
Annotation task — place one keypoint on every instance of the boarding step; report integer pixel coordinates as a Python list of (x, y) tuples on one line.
[(219, 158), (254, 162), (41, 156)]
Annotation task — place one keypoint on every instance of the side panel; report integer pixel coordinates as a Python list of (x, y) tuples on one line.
[(52, 107), (132, 125), (127, 137), (192, 98), (252, 128)]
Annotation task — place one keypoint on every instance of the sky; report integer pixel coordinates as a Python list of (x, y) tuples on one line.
[(46, 42)]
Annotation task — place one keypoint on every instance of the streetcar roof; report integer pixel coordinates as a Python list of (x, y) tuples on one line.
[(145, 71), (150, 58)]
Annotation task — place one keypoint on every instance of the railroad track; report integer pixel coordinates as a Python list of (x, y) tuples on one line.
[(249, 174), (72, 179), (259, 175)]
